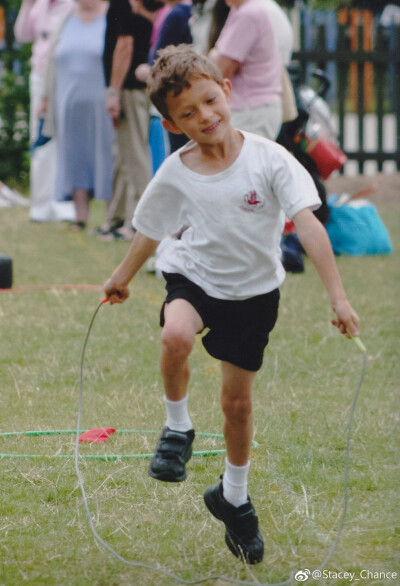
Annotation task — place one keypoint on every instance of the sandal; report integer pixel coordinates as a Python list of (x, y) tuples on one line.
[(103, 231), (123, 234), (77, 226)]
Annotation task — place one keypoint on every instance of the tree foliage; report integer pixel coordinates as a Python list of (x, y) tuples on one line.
[(14, 102)]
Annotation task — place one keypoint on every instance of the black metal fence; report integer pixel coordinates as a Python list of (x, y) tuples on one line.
[(366, 59)]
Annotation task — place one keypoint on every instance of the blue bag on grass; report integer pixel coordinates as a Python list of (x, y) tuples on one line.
[(356, 229)]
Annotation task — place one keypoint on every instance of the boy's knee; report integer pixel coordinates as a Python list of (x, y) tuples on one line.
[(236, 408), (177, 341)]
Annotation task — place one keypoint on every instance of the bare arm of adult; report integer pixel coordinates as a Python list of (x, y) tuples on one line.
[(121, 61), (43, 107), (316, 243), (229, 67), (24, 26), (139, 8), (116, 288)]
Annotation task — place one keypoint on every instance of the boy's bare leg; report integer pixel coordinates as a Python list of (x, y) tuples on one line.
[(182, 323), (236, 403), (174, 447), (228, 500)]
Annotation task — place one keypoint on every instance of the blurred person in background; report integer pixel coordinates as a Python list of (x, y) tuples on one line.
[(175, 30), (36, 22), (158, 137), (127, 46), (283, 30), (208, 18), (75, 106), (247, 53)]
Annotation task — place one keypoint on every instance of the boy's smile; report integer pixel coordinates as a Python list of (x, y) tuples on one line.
[(200, 111)]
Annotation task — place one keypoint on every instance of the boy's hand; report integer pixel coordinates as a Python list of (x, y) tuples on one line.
[(347, 320), (316, 243), (116, 288), (116, 292), (142, 72)]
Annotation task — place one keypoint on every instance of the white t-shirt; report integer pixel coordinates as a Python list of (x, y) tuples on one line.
[(232, 246)]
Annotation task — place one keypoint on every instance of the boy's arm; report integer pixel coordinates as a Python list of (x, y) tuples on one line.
[(316, 243), (116, 288)]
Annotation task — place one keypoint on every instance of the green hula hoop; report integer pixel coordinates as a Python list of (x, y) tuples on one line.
[(105, 457)]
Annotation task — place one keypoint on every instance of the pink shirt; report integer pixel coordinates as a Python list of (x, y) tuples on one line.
[(162, 14), (248, 38), (35, 23)]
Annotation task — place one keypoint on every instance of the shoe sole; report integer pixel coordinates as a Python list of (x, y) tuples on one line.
[(239, 551), (166, 476), (234, 548)]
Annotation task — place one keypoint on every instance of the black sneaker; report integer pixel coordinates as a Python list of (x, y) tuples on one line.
[(241, 523), (173, 450)]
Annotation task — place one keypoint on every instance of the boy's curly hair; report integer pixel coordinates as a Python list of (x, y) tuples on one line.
[(172, 71)]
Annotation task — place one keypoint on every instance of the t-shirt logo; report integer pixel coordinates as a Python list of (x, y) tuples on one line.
[(251, 202)]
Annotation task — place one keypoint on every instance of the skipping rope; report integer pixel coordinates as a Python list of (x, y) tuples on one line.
[(165, 571)]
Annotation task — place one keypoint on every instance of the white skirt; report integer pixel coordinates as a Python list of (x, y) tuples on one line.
[(43, 207)]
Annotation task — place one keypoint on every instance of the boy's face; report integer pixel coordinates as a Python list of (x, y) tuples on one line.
[(200, 111)]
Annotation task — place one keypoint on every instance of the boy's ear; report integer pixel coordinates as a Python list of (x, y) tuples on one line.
[(227, 89), (170, 126)]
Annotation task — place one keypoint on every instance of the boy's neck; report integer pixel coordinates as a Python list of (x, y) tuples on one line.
[(209, 159)]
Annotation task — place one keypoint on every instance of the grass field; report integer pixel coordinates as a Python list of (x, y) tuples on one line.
[(302, 400)]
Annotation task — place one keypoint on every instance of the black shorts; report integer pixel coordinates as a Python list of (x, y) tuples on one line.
[(238, 330)]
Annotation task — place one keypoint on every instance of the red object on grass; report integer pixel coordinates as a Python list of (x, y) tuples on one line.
[(98, 435)]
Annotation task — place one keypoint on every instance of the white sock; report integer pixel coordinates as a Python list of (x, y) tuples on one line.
[(177, 414), (234, 483)]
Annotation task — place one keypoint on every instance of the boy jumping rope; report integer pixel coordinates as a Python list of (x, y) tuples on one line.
[(233, 189)]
